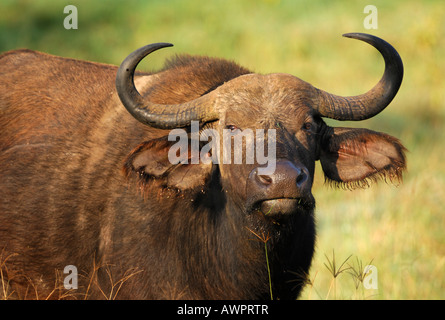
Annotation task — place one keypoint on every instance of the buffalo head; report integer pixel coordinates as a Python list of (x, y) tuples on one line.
[(294, 109)]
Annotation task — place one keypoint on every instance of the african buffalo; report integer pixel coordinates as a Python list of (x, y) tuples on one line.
[(86, 180)]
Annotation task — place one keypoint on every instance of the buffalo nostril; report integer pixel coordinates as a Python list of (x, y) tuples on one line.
[(263, 179), (301, 178)]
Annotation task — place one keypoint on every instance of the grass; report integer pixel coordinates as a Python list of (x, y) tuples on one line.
[(264, 239), (335, 271), (58, 291), (399, 228), (346, 278)]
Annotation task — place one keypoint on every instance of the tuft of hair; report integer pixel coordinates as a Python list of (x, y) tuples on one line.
[(185, 77), (392, 174)]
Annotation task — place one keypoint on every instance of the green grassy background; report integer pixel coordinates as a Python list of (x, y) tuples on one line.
[(401, 229)]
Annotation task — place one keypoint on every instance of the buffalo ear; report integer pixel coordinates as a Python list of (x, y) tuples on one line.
[(150, 158), (151, 162), (354, 157)]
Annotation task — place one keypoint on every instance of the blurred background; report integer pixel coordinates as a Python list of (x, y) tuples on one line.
[(398, 229)]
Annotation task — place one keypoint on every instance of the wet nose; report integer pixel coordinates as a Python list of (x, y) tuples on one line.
[(288, 180)]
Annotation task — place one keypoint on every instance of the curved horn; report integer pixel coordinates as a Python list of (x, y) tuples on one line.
[(375, 100), (158, 115)]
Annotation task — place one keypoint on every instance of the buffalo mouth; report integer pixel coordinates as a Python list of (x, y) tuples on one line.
[(283, 206)]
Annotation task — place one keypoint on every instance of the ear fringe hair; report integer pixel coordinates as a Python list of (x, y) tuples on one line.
[(392, 174)]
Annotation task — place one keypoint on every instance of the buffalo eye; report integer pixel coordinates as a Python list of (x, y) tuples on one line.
[(309, 126), (233, 128)]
